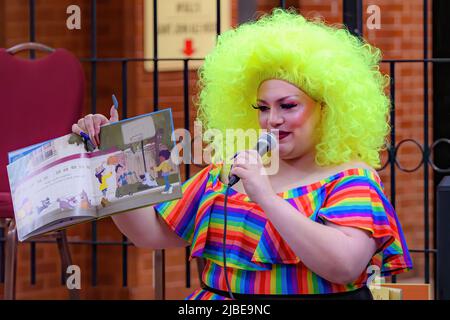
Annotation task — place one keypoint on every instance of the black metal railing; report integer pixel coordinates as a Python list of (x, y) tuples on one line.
[(352, 16), (443, 256)]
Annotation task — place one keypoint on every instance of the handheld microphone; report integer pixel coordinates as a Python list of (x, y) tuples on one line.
[(266, 142)]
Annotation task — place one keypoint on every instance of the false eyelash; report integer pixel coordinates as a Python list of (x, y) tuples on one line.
[(288, 106), (259, 107)]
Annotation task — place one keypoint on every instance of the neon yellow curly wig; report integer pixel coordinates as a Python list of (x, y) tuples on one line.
[(328, 63)]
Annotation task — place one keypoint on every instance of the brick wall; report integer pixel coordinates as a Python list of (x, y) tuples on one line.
[(120, 33)]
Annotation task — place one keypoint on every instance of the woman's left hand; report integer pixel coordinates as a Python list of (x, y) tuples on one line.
[(248, 167)]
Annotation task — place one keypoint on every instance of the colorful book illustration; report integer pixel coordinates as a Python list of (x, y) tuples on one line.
[(57, 183)]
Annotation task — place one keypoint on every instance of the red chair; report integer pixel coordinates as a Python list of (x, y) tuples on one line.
[(40, 100)]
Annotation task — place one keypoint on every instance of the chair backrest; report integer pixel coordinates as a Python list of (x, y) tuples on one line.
[(39, 99)]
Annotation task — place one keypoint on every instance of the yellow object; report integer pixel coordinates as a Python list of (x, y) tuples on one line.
[(379, 293), (105, 177), (395, 294), (401, 291), (386, 293), (164, 167)]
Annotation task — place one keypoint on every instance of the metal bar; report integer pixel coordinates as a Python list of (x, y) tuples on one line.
[(186, 166), (425, 143), (283, 4), (433, 60), (63, 275), (32, 25), (94, 28), (187, 266), (440, 88), (392, 123), (128, 243), (443, 240), (392, 147), (32, 38), (159, 261), (124, 116), (186, 106), (9, 289), (66, 261), (155, 56), (118, 59), (139, 59), (352, 16), (94, 253), (124, 89), (359, 17), (93, 56), (63, 271), (159, 274), (246, 10), (124, 262), (433, 251), (93, 111), (33, 262), (218, 22), (93, 87)]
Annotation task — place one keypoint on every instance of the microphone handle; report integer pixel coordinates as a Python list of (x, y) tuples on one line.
[(233, 179)]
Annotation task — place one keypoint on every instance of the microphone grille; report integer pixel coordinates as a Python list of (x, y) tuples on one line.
[(266, 142), (271, 140)]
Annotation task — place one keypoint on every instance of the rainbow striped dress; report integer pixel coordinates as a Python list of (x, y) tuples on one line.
[(259, 261)]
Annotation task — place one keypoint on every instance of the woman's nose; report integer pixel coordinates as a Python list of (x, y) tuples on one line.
[(275, 118)]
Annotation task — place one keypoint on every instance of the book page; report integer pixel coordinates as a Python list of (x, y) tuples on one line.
[(136, 169), (51, 183)]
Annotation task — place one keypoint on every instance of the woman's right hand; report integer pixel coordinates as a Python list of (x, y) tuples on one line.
[(91, 124)]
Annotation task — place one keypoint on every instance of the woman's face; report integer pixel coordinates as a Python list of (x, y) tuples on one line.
[(285, 107)]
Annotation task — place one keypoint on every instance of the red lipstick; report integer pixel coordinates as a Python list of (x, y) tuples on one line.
[(283, 134)]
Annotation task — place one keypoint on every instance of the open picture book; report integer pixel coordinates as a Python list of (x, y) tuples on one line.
[(58, 183)]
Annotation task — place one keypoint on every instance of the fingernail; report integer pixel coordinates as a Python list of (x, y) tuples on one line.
[(84, 135), (115, 102), (234, 156), (92, 140)]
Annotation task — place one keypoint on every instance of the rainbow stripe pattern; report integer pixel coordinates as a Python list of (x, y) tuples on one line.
[(259, 261)]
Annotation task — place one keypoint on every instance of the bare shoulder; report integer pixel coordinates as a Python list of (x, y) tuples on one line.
[(357, 165), (324, 172)]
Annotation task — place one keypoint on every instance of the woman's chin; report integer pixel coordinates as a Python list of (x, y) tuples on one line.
[(284, 151)]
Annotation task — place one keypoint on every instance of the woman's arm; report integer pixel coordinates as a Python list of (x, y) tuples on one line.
[(147, 230), (337, 253)]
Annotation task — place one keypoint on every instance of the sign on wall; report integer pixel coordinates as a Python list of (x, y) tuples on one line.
[(186, 29)]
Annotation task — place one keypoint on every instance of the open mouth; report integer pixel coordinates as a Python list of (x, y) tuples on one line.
[(283, 134)]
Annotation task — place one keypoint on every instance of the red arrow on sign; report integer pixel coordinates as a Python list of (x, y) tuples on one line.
[(188, 50)]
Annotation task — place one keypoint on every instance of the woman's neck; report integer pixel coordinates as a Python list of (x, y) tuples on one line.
[(301, 165), (292, 172)]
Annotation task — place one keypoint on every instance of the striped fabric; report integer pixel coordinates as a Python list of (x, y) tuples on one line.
[(259, 261)]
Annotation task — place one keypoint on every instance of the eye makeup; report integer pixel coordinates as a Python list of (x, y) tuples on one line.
[(288, 105), (260, 108), (283, 106)]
